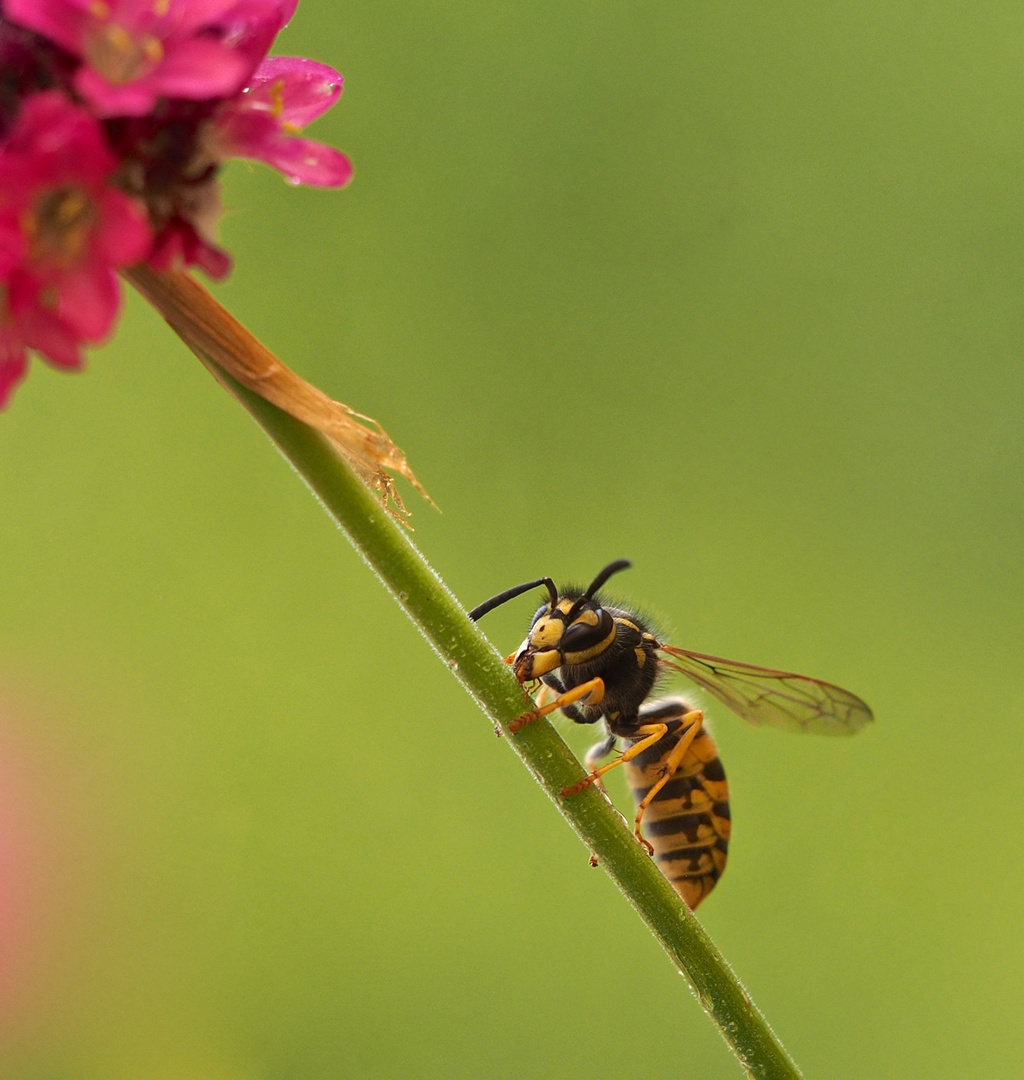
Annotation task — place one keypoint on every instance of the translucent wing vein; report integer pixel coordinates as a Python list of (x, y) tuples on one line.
[(778, 698)]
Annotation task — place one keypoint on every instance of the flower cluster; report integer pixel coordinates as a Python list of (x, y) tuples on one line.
[(115, 118)]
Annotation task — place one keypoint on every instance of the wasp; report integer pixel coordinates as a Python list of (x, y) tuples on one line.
[(596, 662)]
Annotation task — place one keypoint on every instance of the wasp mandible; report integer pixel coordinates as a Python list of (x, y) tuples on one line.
[(603, 663)]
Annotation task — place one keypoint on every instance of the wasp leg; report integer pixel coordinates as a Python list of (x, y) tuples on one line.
[(593, 691), (692, 722), (596, 753), (602, 750), (652, 733), (544, 695), (573, 712)]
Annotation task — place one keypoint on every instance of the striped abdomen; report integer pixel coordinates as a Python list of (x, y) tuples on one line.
[(687, 822)]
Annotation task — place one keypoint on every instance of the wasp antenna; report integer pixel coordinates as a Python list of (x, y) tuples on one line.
[(510, 594), (552, 591), (606, 573)]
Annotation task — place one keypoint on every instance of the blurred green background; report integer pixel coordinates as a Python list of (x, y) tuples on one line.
[(736, 291)]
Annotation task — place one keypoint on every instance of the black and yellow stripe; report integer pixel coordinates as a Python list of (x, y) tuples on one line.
[(687, 822)]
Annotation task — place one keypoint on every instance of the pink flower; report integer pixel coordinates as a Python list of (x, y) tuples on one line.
[(116, 117), (137, 51), (251, 26), (179, 243), (63, 232), (283, 96), (13, 361)]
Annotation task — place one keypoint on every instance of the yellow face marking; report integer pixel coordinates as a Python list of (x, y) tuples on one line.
[(546, 632)]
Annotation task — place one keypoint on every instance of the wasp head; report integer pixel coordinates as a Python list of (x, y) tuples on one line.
[(571, 627), (572, 631)]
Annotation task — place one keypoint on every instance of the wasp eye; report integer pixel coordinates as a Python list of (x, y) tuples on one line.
[(590, 629)]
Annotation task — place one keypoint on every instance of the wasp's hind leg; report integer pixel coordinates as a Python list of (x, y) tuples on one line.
[(681, 785), (646, 735), (684, 725), (598, 753)]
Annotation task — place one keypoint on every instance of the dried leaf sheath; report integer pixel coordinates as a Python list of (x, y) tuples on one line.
[(208, 328)]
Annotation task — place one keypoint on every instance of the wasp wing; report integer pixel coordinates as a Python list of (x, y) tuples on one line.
[(779, 698)]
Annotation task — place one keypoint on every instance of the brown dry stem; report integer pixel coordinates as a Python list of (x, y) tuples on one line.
[(208, 328)]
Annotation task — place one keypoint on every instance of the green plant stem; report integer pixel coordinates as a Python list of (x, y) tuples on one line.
[(476, 664)]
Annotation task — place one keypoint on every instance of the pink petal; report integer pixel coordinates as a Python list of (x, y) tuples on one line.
[(56, 141), (178, 244), (13, 363), (247, 13), (214, 262), (286, 9), (123, 235), (55, 343), (251, 26), (89, 299), (186, 17), (199, 68), (40, 328), (193, 69), (58, 20), (305, 88), (127, 99), (304, 161), (12, 245), (252, 42)]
